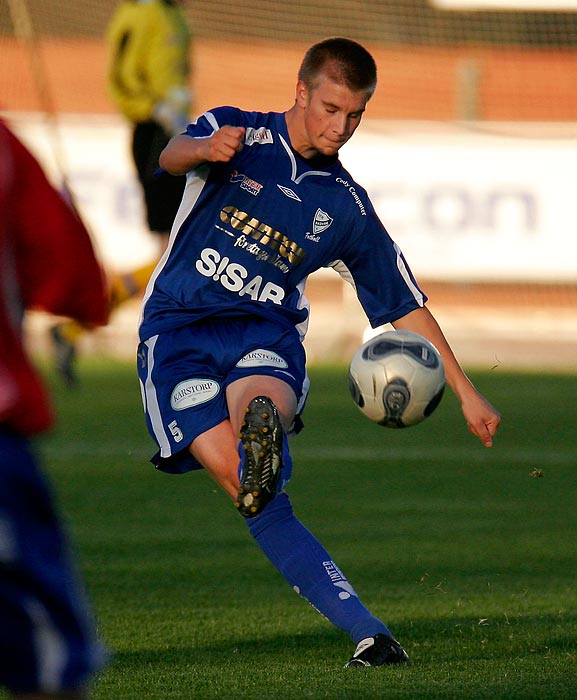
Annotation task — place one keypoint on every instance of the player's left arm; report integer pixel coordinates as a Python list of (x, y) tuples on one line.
[(482, 418)]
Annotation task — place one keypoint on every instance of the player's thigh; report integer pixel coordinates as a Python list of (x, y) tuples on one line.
[(272, 363)]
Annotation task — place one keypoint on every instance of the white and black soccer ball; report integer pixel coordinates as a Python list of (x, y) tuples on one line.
[(397, 378)]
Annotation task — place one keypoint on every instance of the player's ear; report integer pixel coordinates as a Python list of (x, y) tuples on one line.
[(302, 94)]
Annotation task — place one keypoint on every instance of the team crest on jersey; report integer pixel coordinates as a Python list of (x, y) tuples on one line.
[(321, 222), (261, 135), (246, 183)]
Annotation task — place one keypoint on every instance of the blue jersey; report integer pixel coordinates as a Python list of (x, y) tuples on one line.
[(250, 231)]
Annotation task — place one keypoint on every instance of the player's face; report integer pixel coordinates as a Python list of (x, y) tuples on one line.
[(331, 112)]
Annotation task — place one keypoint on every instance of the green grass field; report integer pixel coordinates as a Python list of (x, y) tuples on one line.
[(468, 557)]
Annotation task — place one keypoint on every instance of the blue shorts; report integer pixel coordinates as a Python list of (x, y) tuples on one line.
[(47, 637), (184, 374)]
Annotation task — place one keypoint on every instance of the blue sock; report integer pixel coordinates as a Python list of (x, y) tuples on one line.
[(309, 569)]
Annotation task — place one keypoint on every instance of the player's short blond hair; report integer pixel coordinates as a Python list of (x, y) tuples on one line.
[(345, 61)]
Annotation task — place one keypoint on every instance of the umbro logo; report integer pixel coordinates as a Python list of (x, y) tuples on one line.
[(289, 193)]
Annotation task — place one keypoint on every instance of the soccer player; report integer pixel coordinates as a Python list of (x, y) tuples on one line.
[(48, 648), (267, 202), (148, 79)]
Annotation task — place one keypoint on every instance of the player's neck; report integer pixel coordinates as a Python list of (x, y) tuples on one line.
[(300, 143), (297, 134)]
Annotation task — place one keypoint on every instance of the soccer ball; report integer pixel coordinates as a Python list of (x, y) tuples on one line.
[(397, 378)]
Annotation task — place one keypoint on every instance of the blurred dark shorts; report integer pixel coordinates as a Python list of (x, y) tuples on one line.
[(162, 192), (47, 635)]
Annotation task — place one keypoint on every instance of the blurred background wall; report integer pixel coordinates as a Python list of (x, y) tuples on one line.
[(468, 150)]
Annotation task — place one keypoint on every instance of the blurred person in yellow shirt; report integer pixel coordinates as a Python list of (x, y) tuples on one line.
[(148, 79)]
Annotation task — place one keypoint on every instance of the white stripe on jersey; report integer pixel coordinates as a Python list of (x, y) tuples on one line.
[(211, 119), (303, 303), (195, 182), (345, 273), (340, 267), (402, 268)]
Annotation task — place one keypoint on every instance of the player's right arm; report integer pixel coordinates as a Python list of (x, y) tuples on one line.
[(183, 153), (482, 418)]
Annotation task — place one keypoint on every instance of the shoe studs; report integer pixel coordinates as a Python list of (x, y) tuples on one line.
[(260, 434)]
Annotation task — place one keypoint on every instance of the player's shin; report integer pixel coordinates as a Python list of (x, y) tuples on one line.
[(309, 569)]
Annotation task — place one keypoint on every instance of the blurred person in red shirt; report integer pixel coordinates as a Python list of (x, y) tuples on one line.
[(48, 645)]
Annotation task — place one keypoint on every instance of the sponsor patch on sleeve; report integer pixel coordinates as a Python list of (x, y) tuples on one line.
[(260, 135)]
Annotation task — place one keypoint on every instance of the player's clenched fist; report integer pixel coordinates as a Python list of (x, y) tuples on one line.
[(224, 143)]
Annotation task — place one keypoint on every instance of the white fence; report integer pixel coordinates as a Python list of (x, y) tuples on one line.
[(463, 205)]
